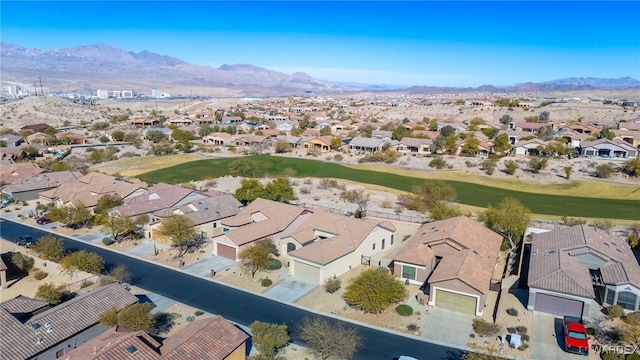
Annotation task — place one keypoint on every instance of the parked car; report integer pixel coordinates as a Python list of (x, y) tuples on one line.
[(576, 340), (25, 240), (42, 220)]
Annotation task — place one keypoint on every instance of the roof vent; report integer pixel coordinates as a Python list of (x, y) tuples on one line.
[(607, 244), (132, 349), (618, 250), (48, 327), (475, 252), (39, 341), (552, 251), (614, 244)]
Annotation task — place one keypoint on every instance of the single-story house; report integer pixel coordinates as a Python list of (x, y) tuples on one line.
[(218, 138), (31, 331), (11, 140), (616, 149), (362, 144), (70, 137), (159, 196), (29, 188), (294, 141), (39, 127), (206, 214), (144, 122), (286, 127), (250, 140), (528, 126), (528, 147), (322, 143), (572, 137), (180, 121), (214, 338), (453, 261), (571, 267), (587, 129), (15, 172), (629, 136), (328, 245), (415, 146)]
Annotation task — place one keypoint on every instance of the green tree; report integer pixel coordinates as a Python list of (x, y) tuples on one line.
[(81, 260), (509, 218), (269, 338), (606, 133), (22, 262), (109, 318), (74, 215), (279, 190), (426, 195), (107, 202), (249, 190), (433, 125), (51, 131), (451, 144), (544, 117), (243, 168), (447, 131), (374, 290), (505, 119), (471, 146), (475, 122), (49, 293), (100, 125), (501, 144), (137, 317), (567, 171), (155, 136), (400, 132), (330, 339), (205, 129), (438, 144), (489, 166), (490, 132), (442, 210), (511, 166), (605, 170), (282, 146), (180, 229), (336, 143), (326, 130), (631, 167), (117, 135), (537, 164), (256, 258), (119, 226), (181, 135), (49, 248)]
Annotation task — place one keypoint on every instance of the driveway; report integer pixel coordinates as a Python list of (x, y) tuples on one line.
[(448, 326), (290, 289), (547, 339), (204, 266)]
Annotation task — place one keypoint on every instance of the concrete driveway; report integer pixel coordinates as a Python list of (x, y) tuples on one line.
[(547, 339), (448, 326), (211, 262), (290, 289)]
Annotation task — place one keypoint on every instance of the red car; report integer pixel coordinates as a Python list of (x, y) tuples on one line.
[(575, 336), (43, 220)]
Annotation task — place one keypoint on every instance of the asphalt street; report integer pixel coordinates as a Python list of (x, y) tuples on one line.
[(239, 306)]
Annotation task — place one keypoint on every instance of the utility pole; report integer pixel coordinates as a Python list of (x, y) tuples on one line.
[(41, 92), (35, 89)]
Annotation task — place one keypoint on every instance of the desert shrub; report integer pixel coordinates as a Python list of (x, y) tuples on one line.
[(39, 275), (538, 164), (338, 157), (611, 356), (604, 170), (484, 328), (413, 327), (632, 318), (22, 262), (266, 282), (404, 310), (512, 312), (591, 331), (634, 356), (332, 285), (274, 264), (505, 246), (511, 166), (198, 313), (615, 311), (521, 330), (107, 241), (489, 166), (305, 190), (388, 156), (523, 347), (438, 163)]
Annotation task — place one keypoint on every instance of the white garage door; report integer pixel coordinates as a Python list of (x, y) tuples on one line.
[(558, 305), (307, 272)]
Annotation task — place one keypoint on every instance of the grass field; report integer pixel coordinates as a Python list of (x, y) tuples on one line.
[(468, 193)]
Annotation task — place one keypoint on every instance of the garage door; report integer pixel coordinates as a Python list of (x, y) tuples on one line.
[(307, 272), (227, 251), (457, 302), (557, 305)]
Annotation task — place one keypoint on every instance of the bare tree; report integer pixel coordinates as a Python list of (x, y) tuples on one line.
[(330, 339)]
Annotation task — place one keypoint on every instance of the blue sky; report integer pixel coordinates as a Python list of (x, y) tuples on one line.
[(402, 43)]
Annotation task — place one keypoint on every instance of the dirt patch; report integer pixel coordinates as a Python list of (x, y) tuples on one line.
[(139, 165)]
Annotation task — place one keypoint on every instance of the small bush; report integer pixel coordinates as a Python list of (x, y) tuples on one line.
[(266, 282), (632, 318), (404, 310), (512, 312), (632, 357), (413, 328), (86, 283), (523, 347), (611, 356), (107, 241), (591, 331), (332, 285), (337, 157), (274, 264), (484, 328), (198, 313), (615, 311), (438, 163), (39, 275), (521, 330)]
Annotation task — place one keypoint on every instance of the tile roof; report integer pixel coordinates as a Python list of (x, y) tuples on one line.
[(348, 232), (18, 340), (368, 142), (555, 256), (44, 181), (16, 172), (118, 344), (159, 196), (415, 142), (214, 338), (22, 306), (473, 263), (203, 211)]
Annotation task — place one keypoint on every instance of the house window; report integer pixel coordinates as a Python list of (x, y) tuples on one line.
[(408, 272), (215, 224), (374, 246), (59, 353), (610, 296), (627, 300), (391, 239), (382, 247)]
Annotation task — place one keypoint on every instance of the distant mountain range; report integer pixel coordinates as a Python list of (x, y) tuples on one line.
[(104, 66)]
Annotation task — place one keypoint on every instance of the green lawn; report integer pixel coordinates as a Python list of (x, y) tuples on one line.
[(468, 193)]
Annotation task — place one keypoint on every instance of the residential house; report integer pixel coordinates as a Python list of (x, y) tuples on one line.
[(29, 188), (362, 144), (165, 131), (328, 245), (259, 220), (231, 120), (604, 148), (206, 213), (381, 134), (527, 126), (286, 127), (213, 338), (270, 133), (321, 143), (587, 129), (453, 261), (40, 127), (13, 173), (528, 147), (42, 139), (181, 121), (142, 122), (251, 140), (629, 125), (310, 133), (294, 141), (570, 268), (31, 331), (219, 138), (415, 146), (570, 136), (251, 126), (207, 120), (159, 196), (11, 140), (425, 134), (70, 137), (631, 137), (90, 188)]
